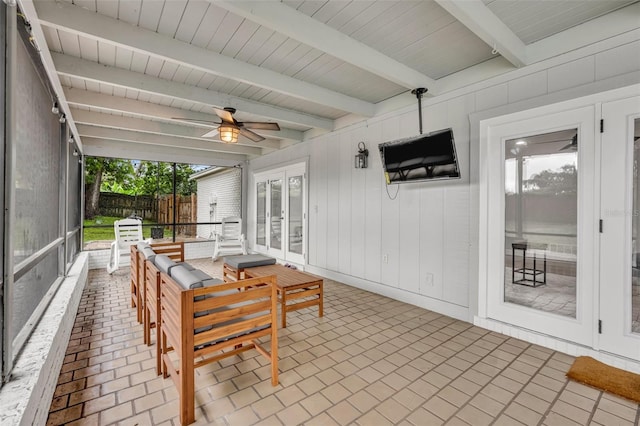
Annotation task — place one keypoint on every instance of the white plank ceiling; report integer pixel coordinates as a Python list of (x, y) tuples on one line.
[(304, 64)]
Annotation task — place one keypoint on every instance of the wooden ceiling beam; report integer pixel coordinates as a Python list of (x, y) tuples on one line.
[(286, 20), (77, 20), (474, 15), (92, 71)]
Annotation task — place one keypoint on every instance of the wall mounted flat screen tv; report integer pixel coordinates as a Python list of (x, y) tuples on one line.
[(425, 157)]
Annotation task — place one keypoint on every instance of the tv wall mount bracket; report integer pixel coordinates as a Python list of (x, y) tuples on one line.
[(419, 92)]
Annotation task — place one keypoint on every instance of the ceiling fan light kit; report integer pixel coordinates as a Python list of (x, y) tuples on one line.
[(228, 133)]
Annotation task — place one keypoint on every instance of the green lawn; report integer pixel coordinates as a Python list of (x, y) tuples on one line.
[(95, 234)]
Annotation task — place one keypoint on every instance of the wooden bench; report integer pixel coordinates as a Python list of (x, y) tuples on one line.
[(204, 325)]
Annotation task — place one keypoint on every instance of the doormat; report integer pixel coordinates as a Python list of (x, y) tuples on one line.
[(604, 377)]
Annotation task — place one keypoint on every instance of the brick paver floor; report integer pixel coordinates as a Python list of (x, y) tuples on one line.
[(370, 360)]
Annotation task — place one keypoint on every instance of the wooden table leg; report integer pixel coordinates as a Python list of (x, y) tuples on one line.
[(321, 304), (283, 309)]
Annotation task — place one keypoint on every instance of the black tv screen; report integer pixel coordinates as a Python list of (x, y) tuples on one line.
[(429, 156)]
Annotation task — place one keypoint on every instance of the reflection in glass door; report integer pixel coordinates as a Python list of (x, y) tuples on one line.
[(296, 216), (541, 220), (277, 213), (261, 216), (635, 234)]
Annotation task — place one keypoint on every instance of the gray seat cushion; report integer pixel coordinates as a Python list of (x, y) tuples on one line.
[(248, 261), (212, 281), (190, 279), (165, 264), (148, 254), (200, 274), (232, 336), (142, 244), (187, 279), (222, 324)]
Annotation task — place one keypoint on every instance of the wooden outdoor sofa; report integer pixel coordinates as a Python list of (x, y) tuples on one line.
[(199, 319), (206, 324), (175, 251)]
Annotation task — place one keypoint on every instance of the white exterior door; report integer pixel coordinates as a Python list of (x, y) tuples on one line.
[(270, 214), (295, 214), (540, 210), (281, 213), (620, 237)]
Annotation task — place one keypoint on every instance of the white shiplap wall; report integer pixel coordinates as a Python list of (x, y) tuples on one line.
[(428, 234), (226, 185)]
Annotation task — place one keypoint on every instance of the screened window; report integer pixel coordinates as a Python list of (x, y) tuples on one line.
[(175, 201), (41, 195)]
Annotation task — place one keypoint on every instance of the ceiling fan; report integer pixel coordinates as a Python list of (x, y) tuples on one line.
[(573, 145), (230, 128)]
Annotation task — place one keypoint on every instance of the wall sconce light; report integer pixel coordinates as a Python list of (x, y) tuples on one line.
[(229, 133), (55, 109), (362, 156), (62, 119)]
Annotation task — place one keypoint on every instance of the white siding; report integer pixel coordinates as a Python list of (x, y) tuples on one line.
[(429, 232), (225, 188)]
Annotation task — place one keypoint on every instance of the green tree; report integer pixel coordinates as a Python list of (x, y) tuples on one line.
[(133, 177), (556, 182), (99, 171), (157, 178)]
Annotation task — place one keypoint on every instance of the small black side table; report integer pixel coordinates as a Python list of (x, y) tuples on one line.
[(528, 276)]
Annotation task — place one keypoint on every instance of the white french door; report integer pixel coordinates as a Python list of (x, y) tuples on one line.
[(270, 214), (281, 213), (295, 214), (560, 215), (539, 176), (619, 240)]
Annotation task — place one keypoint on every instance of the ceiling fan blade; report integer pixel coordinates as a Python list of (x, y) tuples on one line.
[(225, 115), (212, 134), (251, 135), (260, 125), (567, 146), (195, 120)]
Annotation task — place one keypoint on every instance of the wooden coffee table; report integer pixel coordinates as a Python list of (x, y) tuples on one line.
[(292, 286)]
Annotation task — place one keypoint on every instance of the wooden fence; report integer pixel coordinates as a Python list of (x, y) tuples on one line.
[(148, 208), (186, 210), (122, 205)]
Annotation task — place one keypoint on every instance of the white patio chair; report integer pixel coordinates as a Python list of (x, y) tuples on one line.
[(127, 232), (230, 240)]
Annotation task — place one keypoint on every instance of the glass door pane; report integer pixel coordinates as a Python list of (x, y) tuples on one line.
[(275, 234), (635, 233), (261, 214), (541, 221), (295, 225)]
